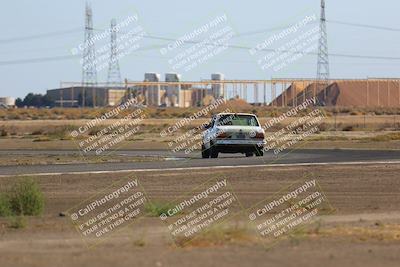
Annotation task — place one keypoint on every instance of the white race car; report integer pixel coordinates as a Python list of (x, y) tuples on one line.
[(233, 133)]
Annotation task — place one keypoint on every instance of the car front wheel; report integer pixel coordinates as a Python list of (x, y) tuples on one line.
[(213, 152), (259, 152), (205, 153)]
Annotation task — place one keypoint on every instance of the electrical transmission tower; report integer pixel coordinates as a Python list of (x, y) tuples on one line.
[(114, 74), (323, 57), (89, 72)]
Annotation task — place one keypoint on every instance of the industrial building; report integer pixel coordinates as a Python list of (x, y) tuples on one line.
[(172, 92), (154, 93), (181, 95), (83, 96), (7, 102), (168, 95), (277, 92)]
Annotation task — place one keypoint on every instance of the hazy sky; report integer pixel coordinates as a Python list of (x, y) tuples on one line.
[(50, 29)]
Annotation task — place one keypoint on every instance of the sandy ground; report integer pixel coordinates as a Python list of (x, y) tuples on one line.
[(45, 159), (369, 121), (349, 132), (363, 231)]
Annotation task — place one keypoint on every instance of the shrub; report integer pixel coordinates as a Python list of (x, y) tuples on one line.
[(5, 208), (37, 132), (3, 132), (156, 209), (95, 130), (323, 127), (41, 139), (26, 198), (348, 128), (18, 222), (60, 132)]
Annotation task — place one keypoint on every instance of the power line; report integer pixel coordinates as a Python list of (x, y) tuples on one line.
[(39, 36), (260, 31), (75, 30), (274, 50), (67, 57), (37, 60), (59, 58), (63, 48), (147, 36), (364, 26)]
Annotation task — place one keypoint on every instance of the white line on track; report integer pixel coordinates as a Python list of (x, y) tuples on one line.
[(211, 167)]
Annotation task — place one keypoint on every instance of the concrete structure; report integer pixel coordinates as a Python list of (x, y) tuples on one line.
[(198, 96), (115, 96), (183, 95), (186, 98), (153, 93), (217, 89), (160, 94), (172, 93), (80, 96), (7, 102)]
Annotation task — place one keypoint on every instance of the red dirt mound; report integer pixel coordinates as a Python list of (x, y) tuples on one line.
[(363, 93)]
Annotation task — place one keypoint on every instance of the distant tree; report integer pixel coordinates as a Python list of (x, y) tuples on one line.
[(29, 99), (37, 100), (19, 102), (47, 101)]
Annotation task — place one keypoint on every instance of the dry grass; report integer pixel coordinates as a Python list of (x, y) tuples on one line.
[(219, 235), (39, 159), (386, 137), (60, 129), (90, 113), (228, 235), (48, 128), (378, 231)]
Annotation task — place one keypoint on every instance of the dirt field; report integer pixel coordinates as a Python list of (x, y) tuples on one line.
[(342, 131), (344, 140), (45, 159), (363, 231), (59, 126)]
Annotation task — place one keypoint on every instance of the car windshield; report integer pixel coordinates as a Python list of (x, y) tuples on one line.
[(237, 120)]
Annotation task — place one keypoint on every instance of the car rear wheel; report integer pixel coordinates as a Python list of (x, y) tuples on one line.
[(213, 152), (249, 154), (205, 153)]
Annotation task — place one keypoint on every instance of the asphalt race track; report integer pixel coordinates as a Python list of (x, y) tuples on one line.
[(180, 160)]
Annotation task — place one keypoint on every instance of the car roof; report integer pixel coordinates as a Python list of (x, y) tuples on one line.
[(249, 114)]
